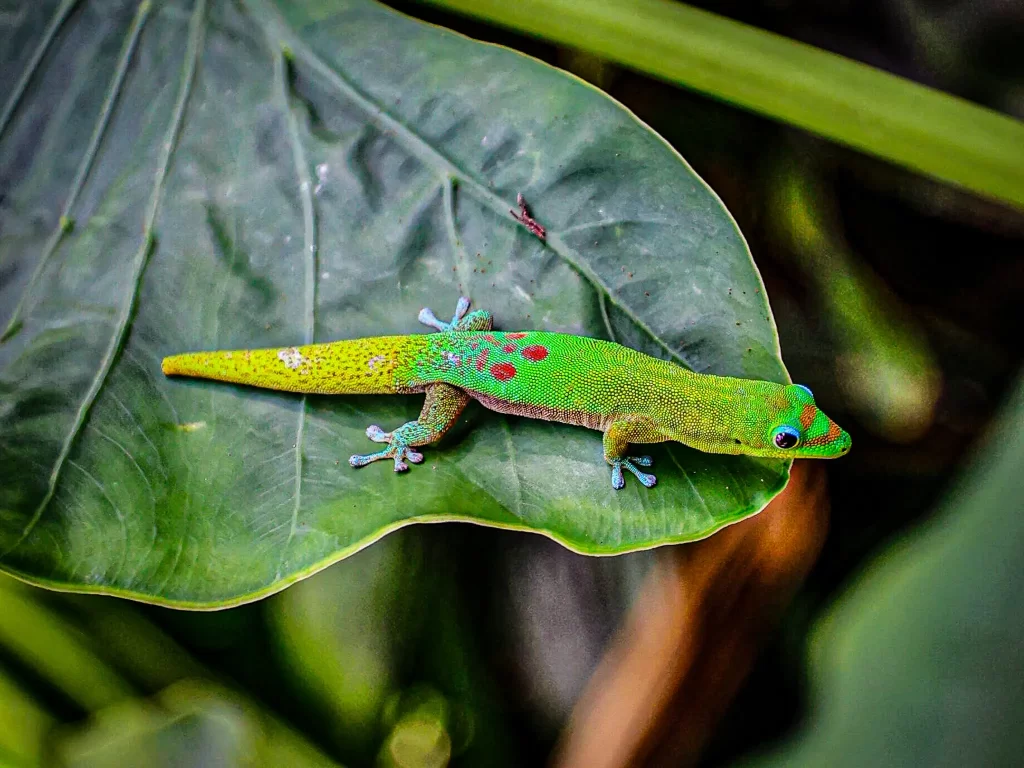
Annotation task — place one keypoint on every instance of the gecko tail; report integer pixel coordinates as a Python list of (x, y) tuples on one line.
[(375, 365)]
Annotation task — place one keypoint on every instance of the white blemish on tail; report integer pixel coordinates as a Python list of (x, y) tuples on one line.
[(292, 358)]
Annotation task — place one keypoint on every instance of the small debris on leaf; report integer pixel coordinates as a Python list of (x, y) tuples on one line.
[(526, 219)]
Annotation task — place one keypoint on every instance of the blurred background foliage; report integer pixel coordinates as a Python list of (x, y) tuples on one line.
[(898, 301)]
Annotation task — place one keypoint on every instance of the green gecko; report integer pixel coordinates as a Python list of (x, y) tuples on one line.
[(629, 396)]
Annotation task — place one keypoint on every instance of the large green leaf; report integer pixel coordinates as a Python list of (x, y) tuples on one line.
[(193, 175)]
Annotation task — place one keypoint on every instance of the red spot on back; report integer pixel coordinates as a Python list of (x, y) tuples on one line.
[(481, 361), (508, 348), (535, 352), (503, 371), (516, 335)]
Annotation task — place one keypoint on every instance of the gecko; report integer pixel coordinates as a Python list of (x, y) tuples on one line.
[(631, 397)]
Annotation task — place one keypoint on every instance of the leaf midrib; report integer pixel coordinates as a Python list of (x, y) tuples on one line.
[(309, 251), (426, 153)]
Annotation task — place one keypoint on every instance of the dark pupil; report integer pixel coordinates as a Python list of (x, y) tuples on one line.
[(785, 439)]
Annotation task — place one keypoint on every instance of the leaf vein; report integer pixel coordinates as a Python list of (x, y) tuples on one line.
[(117, 510), (458, 252), (610, 223), (507, 430), (124, 321), (59, 16), (310, 255), (87, 159), (686, 476), (131, 458)]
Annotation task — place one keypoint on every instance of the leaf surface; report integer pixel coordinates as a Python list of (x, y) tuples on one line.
[(182, 175)]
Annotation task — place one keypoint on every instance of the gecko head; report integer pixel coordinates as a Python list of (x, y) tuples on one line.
[(788, 424)]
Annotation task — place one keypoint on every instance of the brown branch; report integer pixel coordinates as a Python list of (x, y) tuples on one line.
[(693, 634)]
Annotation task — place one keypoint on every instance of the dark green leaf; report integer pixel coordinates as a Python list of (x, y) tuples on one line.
[(245, 174)]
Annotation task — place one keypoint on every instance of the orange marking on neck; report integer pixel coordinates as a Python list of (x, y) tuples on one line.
[(833, 434), (807, 416)]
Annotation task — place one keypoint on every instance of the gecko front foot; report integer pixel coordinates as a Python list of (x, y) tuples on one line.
[(479, 320), (428, 318), (632, 463), (397, 449)]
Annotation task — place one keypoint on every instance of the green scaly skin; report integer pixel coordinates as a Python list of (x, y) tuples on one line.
[(629, 396)]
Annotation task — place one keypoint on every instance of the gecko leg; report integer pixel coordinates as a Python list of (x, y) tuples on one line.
[(480, 320), (616, 442), (442, 407)]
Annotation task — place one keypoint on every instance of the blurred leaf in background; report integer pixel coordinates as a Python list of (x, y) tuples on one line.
[(343, 632), (922, 661), (188, 724), (835, 97), (884, 365), (89, 683), (24, 725)]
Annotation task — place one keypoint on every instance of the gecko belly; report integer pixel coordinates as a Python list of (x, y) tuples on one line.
[(544, 412)]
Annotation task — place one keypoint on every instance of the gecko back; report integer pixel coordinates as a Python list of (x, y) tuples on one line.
[(538, 369)]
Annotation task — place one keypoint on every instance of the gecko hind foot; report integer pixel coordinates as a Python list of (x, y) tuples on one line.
[(397, 450), (377, 434), (632, 464)]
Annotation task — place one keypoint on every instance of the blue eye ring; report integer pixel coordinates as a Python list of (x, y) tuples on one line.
[(785, 437), (805, 389)]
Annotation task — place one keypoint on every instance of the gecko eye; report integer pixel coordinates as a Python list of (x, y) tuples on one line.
[(785, 437)]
